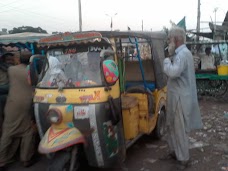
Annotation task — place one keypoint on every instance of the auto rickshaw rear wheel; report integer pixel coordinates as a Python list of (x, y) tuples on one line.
[(159, 130)]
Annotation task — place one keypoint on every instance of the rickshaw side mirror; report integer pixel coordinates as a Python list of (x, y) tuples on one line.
[(35, 66), (110, 71)]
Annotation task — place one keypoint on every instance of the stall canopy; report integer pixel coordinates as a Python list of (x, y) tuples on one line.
[(20, 41), (26, 37)]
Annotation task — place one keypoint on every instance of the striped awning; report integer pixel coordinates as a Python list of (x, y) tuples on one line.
[(23, 38)]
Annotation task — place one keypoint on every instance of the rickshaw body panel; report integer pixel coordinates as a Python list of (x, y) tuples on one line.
[(79, 95), (146, 122)]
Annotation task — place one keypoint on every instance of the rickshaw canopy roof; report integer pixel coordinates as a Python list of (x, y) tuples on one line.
[(66, 39), (140, 34), (93, 36)]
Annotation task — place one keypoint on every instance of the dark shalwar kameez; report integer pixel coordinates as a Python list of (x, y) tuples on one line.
[(17, 127)]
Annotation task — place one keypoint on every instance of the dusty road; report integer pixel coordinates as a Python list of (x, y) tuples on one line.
[(208, 147)]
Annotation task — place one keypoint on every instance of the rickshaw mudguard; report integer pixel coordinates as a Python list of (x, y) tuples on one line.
[(58, 139)]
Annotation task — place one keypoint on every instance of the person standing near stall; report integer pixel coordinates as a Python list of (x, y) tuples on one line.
[(208, 60)]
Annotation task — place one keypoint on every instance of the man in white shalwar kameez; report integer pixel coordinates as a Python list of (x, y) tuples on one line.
[(183, 114)]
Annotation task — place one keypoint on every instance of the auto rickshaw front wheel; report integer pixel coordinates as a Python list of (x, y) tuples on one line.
[(65, 160)]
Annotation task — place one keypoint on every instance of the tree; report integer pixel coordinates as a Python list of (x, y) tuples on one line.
[(27, 29), (56, 32)]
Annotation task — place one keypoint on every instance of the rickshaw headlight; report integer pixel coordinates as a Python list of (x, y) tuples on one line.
[(54, 115)]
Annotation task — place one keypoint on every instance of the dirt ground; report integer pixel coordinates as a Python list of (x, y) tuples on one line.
[(208, 147)]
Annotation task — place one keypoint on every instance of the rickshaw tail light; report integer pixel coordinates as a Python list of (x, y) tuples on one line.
[(54, 115)]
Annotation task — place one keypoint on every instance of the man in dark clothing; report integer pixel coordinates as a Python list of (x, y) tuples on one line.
[(6, 61), (17, 121)]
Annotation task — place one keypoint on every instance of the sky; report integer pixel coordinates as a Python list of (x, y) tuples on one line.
[(62, 16)]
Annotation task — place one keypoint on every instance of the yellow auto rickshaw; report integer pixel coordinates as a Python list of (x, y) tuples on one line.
[(96, 94)]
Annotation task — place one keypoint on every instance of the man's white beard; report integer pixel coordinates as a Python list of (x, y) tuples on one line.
[(171, 48)]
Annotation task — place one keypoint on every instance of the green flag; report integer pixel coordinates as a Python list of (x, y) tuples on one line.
[(182, 24)]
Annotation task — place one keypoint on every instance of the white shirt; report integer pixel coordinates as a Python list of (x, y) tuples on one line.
[(207, 62), (181, 88)]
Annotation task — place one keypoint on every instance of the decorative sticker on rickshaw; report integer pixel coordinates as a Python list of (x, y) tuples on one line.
[(96, 48), (66, 136), (86, 98), (42, 98), (97, 95), (70, 125), (69, 108), (111, 71), (95, 135), (70, 51), (81, 112), (70, 36), (110, 137), (52, 135), (39, 98), (90, 97)]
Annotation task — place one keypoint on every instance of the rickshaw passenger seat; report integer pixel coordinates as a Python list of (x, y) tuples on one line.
[(151, 85), (133, 75)]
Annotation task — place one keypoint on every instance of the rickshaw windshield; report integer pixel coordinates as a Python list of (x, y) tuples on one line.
[(68, 69)]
